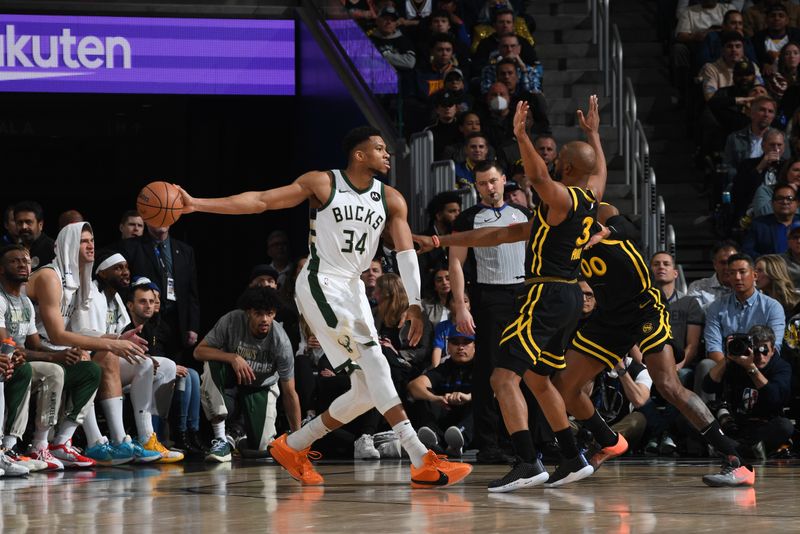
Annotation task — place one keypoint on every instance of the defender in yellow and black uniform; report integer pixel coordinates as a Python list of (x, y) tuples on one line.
[(630, 309), (550, 305)]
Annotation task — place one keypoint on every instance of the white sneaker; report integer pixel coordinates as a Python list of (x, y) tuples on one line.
[(43, 455), (32, 464), (11, 469), (364, 449)]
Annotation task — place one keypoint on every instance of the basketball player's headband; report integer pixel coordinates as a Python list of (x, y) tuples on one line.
[(110, 261)]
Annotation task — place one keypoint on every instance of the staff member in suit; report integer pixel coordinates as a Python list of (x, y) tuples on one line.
[(170, 263)]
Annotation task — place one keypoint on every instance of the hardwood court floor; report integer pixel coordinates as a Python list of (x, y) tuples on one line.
[(627, 496)]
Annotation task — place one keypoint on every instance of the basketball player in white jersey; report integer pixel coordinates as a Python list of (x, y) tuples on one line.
[(349, 211)]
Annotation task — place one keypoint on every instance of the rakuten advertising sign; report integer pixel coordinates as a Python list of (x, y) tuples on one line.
[(61, 54)]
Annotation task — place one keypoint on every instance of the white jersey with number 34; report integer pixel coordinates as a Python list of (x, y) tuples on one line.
[(344, 233)]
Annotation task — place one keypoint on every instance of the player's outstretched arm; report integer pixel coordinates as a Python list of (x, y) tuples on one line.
[(590, 124), (310, 184), (552, 193), (481, 237)]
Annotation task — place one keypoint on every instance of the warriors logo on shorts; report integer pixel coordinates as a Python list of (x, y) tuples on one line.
[(647, 328)]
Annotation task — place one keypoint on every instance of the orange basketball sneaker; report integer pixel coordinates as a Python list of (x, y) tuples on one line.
[(438, 472), (296, 463), (607, 453)]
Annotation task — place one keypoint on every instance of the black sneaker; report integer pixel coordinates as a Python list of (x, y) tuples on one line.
[(493, 456), (570, 470), (522, 475)]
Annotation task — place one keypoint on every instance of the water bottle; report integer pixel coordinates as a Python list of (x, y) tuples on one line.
[(7, 349), (726, 197)]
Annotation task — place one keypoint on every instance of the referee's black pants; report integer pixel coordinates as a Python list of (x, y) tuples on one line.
[(492, 309)]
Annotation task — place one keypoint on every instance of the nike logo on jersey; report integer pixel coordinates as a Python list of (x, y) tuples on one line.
[(442, 481)]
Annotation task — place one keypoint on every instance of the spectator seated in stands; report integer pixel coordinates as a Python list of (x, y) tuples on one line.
[(747, 143), (485, 40), (719, 74), (716, 286), (509, 74), (762, 170), (739, 311), (131, 225), (694, 24), (755, 16), (469, 122), (476, 149), (730, 106), (513, 194), (547, 147), (435, 307), (362, 11), (370, 279), (496, 116), (769, 41), (430, 74), (454, 84), (445, 130), (772, 279), (443, 209), (406, 362), (396, 48), (762, 199), (10, 236), (443, 398), (444, 329), (440, 22), (619, 394), (752, 384), (248, 364), (509, 48), (785, 73), (768, 234), (792, 256), (711, 48), (29, 224)]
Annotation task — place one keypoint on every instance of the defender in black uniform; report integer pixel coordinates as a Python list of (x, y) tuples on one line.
[(550, 304), (630, 311)]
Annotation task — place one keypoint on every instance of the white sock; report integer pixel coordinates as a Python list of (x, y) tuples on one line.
[(90, 428), (113, 409), (144, 424), (9, 442), (410, 442), (303, 438), (219, 430), (65, 431)]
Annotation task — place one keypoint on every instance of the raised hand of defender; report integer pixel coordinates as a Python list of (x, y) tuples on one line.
[(519, 118), (590, 123)]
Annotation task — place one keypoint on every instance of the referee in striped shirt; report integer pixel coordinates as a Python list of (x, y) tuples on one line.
[(492, 276)]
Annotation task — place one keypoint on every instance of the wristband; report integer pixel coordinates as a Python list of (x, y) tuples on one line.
[(436, 242)]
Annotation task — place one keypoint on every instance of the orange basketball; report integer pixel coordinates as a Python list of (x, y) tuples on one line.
[(159, 204)]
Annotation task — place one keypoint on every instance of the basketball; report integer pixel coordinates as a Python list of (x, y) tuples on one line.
[(159, 204)]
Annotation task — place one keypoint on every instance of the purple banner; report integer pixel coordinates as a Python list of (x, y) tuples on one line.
[(65, 54)]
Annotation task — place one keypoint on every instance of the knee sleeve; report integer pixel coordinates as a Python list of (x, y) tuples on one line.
[(378, 378), (354, 401)]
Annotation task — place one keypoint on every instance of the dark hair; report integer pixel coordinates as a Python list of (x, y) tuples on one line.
[(131, 297), (485, 166), (762, 334), (440, 14), (516, 168), (728, 14), (438, 202), (725, 243), (741, 257), (29, 205), (473, 135), (128, 214), (544, 136), (463, 116), (8, 248), (505, 61), (668, 253), (8, 209), (259, 298), (501, 11), (356, 136), (781, 185), (441, 38), (727, 37)]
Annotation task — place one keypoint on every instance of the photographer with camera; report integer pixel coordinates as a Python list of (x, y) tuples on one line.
[(752, 383)]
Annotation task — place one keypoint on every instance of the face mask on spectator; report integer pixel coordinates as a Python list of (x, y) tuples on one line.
[(498, 103)]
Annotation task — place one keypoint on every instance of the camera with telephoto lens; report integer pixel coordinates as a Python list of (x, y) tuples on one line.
[(740, 344)]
